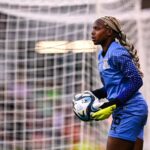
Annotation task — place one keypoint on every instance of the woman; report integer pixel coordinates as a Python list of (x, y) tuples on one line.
[(121, 76)]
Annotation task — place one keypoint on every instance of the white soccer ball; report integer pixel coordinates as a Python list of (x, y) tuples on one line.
[(84, 104)]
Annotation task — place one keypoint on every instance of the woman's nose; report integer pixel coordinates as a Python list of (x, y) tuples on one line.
[(92, 33)]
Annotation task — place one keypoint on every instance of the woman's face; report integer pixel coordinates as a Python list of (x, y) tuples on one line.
[(99, 32)]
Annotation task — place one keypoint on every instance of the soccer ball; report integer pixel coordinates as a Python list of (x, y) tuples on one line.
[(84, 104)]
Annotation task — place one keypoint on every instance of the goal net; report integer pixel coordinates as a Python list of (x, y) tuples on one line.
[(46, 57)]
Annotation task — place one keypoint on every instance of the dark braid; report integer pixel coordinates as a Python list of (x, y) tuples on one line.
[(131, 49)]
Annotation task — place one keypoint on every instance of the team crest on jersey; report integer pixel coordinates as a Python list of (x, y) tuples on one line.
[(105, 64)]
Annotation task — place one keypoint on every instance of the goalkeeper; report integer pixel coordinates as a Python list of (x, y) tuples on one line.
[(121, 76)]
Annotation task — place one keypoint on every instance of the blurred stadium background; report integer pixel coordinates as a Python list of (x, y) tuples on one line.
[(46, 57)]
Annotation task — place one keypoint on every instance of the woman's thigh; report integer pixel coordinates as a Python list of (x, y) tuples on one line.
[(119, 144), (138, 144)]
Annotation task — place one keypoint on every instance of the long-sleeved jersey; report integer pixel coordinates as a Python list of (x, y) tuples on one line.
[(121, 79)]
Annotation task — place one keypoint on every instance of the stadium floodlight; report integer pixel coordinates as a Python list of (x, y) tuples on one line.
[(79, 46), (110, 1)]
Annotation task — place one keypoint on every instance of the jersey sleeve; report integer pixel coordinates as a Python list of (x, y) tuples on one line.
[(100, 93), (130, 73)]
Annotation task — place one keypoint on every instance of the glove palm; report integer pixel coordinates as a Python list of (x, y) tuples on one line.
[(103, 113)]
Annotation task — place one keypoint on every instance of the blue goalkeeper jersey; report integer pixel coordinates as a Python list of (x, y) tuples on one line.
[(121, 79)]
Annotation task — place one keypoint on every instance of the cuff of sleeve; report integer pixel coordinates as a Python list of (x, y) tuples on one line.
[(116, 102)]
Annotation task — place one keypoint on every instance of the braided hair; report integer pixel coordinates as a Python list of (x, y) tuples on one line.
[(114, 24)]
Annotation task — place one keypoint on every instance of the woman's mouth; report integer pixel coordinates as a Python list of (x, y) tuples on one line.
[(93, 39)]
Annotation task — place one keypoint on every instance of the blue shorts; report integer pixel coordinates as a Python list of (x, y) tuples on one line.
[(127, 127)]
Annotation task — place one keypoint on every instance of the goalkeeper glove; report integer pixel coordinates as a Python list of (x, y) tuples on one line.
[(106, 109), (103, 113)]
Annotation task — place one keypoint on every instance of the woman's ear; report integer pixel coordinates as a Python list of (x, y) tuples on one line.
[(109, 32)]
